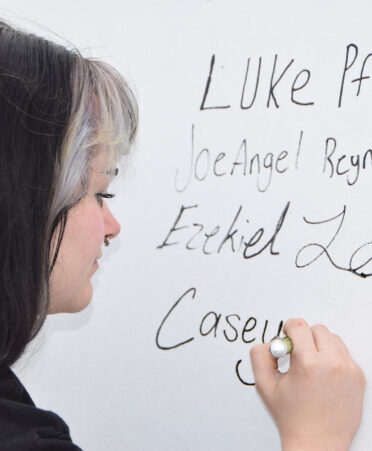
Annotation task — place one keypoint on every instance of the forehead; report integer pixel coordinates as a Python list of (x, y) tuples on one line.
[(102, 168)]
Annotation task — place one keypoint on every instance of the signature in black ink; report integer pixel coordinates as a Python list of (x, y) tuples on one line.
[(353, 268), (215, 325), (251, 247)]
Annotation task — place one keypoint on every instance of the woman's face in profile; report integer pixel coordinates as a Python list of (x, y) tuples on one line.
[(87, 224)]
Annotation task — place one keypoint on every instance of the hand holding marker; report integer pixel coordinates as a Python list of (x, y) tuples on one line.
[(317, 404)]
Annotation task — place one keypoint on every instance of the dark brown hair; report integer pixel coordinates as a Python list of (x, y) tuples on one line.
[(56, 107)]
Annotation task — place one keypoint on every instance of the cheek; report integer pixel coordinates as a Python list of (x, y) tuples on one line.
[(96, 227), (86, 233)]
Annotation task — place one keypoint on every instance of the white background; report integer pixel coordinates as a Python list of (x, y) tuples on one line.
[(100, 369)]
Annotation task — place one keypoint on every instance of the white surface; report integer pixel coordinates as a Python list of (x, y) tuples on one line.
[(101, 370)]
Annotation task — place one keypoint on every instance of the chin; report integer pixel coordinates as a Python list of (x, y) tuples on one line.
[(79, 304), (74, 304), (76, 308)]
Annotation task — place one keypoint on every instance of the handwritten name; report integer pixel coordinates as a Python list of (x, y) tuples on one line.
[(214, 324), (214, 240), (206, 163)]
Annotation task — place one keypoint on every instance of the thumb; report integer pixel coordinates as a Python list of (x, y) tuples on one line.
[(265, 368)]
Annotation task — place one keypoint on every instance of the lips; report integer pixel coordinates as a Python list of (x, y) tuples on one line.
[(95, 263)]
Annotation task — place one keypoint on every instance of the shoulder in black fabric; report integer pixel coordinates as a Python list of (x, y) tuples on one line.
[(23, 426)]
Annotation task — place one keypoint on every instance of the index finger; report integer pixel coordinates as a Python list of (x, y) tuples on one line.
[(302, 338)]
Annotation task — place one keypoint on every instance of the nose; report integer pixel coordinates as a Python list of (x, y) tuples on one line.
[(112, 225)]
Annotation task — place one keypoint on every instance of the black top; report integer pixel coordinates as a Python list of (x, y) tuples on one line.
[(24, 427)]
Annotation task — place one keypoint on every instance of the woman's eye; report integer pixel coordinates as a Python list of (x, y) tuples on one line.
[(101, 196)]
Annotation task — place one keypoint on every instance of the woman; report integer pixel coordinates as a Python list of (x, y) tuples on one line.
[(65, 121)]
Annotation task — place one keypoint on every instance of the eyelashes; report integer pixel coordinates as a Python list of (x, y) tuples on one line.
[(101, 196)]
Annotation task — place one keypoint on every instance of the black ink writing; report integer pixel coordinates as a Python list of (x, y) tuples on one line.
[(343, 165), (300, 81), (252, 246), (325, 249), (206, 163)]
